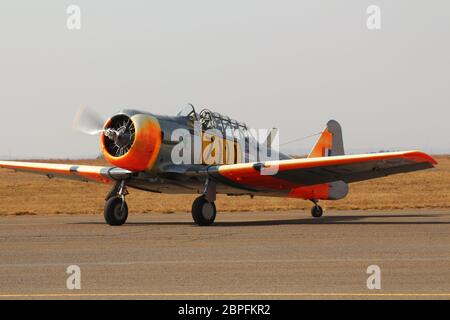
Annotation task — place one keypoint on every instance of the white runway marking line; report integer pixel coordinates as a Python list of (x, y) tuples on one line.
[(29, 265), (111, 295)]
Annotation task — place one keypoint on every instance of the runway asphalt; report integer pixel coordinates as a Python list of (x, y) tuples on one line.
[(265, 255)]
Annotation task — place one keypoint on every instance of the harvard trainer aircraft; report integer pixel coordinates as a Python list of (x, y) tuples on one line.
[(139, 147)]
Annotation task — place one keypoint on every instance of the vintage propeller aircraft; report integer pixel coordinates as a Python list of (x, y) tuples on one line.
[(140, 147)]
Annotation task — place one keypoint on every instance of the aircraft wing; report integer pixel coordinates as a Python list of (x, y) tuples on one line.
[(313, 171), (67, 171)]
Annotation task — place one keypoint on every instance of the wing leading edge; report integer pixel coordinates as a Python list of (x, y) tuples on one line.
[(67, 171)]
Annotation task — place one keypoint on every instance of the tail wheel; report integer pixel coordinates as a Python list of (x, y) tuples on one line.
[(316, 211), (203, 212), (116, 211)]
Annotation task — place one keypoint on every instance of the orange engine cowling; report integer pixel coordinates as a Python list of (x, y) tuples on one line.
[(132, 143)]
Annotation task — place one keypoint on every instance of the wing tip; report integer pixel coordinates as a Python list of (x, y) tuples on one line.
[(420, 156)]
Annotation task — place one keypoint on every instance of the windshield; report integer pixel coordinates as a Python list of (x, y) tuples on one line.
[(188, 111)]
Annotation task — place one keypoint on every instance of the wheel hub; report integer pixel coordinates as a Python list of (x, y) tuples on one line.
[(119, 211), (208, 211)]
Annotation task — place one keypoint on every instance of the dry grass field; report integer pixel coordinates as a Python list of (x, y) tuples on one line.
[(28, 194)]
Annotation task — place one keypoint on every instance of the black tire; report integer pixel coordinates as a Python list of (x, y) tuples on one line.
[(203, 212), (116, 211), (316, 211)]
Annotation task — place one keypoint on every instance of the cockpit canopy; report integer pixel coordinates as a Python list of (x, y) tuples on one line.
[(213, 120)]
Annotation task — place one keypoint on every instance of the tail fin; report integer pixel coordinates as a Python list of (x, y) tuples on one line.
[(330, 142)]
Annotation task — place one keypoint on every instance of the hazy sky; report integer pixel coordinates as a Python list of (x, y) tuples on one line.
[(287, 64)]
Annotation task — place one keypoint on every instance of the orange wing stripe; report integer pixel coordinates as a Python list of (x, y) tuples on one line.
[(283, 165)]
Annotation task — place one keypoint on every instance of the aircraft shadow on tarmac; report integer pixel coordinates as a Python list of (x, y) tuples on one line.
[(345, 220)]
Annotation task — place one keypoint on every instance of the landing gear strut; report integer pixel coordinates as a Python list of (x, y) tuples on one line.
[(116, 208), (203, 209), (317, 210)]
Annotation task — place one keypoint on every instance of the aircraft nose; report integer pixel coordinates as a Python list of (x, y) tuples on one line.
[(135, 143)]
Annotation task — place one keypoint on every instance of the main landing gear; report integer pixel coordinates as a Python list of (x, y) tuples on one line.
[(317, 210), (203, 209), (116, 208)]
